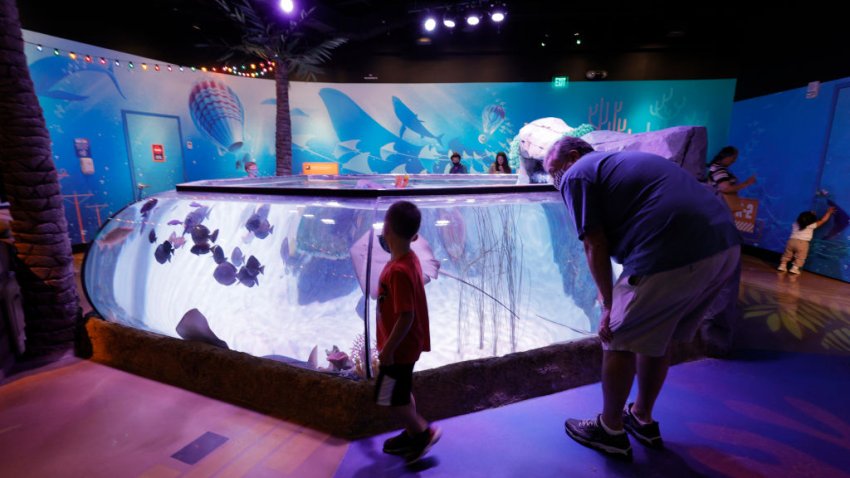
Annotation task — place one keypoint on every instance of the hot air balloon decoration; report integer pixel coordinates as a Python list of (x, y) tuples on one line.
[(491, 118), (217, 111)]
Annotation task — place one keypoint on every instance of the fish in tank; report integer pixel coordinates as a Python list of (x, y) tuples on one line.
[(286, 269)]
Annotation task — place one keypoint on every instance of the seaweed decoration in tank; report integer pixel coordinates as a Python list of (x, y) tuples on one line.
[(490, 279)]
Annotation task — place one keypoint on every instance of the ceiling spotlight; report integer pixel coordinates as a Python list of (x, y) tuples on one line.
[(449, 21), (430, 24), (473, 19), (497, 16), (287, 6)]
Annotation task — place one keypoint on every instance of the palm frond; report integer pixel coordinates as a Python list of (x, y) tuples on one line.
[(294, 42)]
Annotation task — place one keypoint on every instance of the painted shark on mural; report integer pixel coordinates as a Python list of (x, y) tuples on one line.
[(410, 120), (48, 73)]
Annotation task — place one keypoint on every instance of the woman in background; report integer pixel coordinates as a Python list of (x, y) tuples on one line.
[(724, 181), (500, 165)]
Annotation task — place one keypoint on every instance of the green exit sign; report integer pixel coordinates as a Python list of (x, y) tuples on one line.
[(561, 81)]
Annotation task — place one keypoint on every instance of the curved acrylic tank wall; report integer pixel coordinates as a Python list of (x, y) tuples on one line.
[(507, 272)]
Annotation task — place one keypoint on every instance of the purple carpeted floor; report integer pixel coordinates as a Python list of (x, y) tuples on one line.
[(783, 411), (760, 414)]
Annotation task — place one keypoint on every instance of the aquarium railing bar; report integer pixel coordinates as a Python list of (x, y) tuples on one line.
[(364, 193), (367, 344)]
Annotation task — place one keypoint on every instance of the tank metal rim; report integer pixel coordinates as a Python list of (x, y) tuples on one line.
[(364, 193)]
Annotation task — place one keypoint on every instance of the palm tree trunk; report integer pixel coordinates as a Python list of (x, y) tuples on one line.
[(283, 129), (45, 265)]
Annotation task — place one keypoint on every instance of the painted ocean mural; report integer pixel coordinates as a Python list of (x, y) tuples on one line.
[(413, 128), (121, 134)]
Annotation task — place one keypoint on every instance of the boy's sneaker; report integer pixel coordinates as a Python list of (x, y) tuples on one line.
[(591, 434), (421, 444), (649, 435), (794, 270), (400, 444), (782, 268)]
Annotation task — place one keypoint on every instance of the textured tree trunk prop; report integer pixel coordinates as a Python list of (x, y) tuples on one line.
[(283, 130), (45, 265)]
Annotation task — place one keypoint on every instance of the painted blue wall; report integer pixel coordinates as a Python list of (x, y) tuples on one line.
[(366, 128), (413, 127), (783, 140), (87, 100)]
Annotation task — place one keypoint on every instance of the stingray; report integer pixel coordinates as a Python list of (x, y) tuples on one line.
[(194, 326), (359, 256), (311, 363), (840, 220)]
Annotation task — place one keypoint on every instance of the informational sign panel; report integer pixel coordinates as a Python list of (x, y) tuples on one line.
[(745, 219), (319, 168)]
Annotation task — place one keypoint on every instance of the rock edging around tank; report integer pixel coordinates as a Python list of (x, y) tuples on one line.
[(340, 406)]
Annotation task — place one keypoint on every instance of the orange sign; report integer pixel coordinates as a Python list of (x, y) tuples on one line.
[(745, 219), (319, 168)]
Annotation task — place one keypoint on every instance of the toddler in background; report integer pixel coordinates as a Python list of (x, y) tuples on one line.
[(801, 234)]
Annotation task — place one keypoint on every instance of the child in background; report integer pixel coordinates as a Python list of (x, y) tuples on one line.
[(801, 234), (403, 332), (251, 169)]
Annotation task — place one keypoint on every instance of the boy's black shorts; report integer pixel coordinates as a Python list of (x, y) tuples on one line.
[(394, 385)]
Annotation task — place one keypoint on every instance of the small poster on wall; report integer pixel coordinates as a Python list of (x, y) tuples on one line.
[(82, 147), (745, 219), (158, 153)]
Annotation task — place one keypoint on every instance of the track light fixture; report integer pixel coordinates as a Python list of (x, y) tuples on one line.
[(449, 20), (430, 24), (471, 12)]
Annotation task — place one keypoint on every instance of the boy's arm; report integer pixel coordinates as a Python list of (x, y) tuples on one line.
[(826, 216), (399, 332)]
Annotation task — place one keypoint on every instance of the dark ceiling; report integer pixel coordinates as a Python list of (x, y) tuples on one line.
[(772, 39)]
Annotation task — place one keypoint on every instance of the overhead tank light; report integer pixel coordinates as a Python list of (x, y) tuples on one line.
[(287, 6)]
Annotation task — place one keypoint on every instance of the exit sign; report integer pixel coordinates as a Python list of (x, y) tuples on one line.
[(561, 81)]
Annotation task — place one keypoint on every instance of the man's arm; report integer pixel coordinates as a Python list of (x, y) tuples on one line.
[(599, 260), (399, 332)]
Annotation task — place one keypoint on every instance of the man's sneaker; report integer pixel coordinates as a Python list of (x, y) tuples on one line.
[(421, 444), (649, 435), (782, 268), (794, 270), (399, 445), (591, 434)]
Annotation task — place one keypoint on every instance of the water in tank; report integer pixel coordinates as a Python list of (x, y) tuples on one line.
[(285, 268)]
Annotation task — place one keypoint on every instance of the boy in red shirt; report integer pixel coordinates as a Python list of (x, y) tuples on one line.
[(402, 332)]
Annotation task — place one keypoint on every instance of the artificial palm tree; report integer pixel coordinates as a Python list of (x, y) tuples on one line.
[(45, 264), (291, 45)]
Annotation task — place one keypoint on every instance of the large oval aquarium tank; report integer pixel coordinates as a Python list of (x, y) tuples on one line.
[(287, 268)]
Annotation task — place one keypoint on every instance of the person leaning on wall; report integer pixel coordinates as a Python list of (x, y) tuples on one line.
[(724, 182)]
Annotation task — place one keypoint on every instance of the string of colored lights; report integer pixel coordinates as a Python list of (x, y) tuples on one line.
[(248, 70)]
